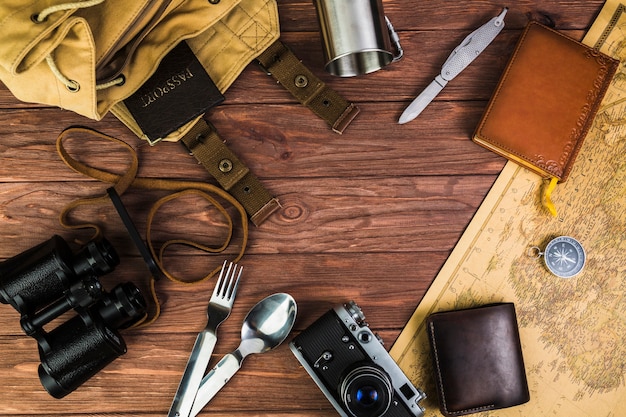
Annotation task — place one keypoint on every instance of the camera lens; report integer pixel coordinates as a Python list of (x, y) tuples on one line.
[(366, 396), (366, 391)]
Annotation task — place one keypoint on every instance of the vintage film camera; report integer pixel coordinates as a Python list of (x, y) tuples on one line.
[(353, 369), (47, 281)]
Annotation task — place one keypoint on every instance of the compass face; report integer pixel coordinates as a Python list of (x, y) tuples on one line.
[(564, 256)]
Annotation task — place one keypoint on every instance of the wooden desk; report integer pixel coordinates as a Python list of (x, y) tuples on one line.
[(370, 215)]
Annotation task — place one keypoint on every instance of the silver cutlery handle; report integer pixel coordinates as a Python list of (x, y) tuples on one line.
[(192, 377), (215, 381)]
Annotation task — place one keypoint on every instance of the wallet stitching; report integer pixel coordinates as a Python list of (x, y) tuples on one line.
[(574, 152), (440, 381)]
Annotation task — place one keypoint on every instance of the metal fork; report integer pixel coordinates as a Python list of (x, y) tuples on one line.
[(220, 305)]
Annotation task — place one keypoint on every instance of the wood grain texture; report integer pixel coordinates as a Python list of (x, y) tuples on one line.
[(370, 215)]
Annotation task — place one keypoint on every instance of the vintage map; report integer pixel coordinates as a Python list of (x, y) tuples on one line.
[(573, 330)]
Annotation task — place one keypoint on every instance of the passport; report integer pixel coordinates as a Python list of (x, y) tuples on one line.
[(178, 92)]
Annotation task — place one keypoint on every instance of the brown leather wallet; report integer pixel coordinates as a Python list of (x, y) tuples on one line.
[(477, 359)]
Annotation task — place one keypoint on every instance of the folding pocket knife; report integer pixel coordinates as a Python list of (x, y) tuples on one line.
[(459, 59)]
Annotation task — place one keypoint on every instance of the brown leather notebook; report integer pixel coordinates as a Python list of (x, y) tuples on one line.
[(477, 358), (546, 101)]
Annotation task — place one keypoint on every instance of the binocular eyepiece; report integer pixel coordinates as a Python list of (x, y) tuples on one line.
[(47, 281)]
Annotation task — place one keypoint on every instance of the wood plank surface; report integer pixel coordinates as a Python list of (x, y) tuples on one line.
[(370, 215)]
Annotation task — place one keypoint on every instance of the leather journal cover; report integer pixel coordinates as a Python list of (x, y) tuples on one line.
[(477, 357), (545, 101)]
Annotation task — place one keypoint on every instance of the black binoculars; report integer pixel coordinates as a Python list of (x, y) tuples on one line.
[(47, 281)]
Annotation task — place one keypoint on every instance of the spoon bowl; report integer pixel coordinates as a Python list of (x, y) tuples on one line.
[(267, 324)]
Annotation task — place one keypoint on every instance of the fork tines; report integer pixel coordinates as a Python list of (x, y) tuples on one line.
[(227, 283)]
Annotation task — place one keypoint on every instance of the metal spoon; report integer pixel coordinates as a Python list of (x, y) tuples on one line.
[(265, 327)]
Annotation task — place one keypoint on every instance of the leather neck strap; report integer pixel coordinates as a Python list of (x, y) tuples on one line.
[(179, 189), (280, 62)]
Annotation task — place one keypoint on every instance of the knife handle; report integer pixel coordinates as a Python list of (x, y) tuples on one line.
[(472, 46), (215, 381), (192, 377)]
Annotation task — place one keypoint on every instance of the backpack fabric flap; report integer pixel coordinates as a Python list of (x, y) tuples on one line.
[(91, 44)]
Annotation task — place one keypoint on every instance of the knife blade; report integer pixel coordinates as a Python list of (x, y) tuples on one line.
[(459, 59)]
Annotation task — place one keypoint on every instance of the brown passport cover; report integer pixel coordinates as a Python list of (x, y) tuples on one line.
[(477, 359), (546, 101)]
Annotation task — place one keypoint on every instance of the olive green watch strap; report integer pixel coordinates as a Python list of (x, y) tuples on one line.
[(280, 62), (205, 144)]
